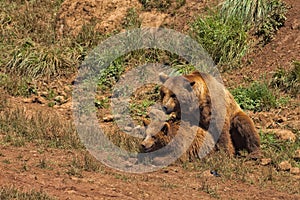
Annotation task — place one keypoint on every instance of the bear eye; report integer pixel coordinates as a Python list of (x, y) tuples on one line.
[(173, 96), (153, 137)]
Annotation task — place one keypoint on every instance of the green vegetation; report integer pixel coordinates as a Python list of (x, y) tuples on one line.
[(110, 76), (32, 48), (140, 108), (264, 16), (84, 162), (288, 81), (224, 34), (279, 150), (162, 5), (17, 86), (131, 19), (248, 11), (226, 41), (257, 97), (8, 193), (273, 20), (241, 169)]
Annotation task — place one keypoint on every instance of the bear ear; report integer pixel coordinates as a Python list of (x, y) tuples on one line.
[(166, 128), (146, 122), (196, 72), (163, 77), (189, 85), (192, 83)]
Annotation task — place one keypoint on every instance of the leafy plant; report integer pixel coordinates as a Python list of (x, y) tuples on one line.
[(257, 97), (140, 108), (111, 74), (288, 81), (273, 20), (102, 103)]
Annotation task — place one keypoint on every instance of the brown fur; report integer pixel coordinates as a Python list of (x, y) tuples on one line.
[(160, 134), (238, 131)]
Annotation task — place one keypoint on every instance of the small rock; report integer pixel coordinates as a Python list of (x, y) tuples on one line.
[(265, 161), (207, 173), (295, 25), (284, 166), (127, 129), (282, 134), (117, 116), (295, 170), (215, 173), (29, 100), (108, 118), (297, 155)]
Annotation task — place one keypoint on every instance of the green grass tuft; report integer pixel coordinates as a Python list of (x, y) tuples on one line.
[(274, 18), (257, 97), (131, 19), (247, 11), (226, 42), (288, 81)]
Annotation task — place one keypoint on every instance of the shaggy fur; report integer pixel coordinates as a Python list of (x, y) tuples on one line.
[(238, 131), (160, 134)]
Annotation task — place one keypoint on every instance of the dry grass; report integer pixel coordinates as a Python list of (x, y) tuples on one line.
[(42, 127), (8, 193)]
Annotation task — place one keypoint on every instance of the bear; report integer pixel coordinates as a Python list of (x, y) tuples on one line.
[(238, 131), (159, 134)]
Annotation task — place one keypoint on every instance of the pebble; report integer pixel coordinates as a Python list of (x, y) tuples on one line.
[(295, 170), (297, 155), (265, 161), (284, 166)]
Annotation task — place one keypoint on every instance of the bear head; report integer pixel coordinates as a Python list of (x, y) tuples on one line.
[(158, 135)]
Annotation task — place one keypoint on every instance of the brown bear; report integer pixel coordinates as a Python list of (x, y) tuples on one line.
[(238, 131), (192, 143)]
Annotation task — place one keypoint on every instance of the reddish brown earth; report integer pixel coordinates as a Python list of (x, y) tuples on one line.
[(19, 166), (170, 183), (280, 53)]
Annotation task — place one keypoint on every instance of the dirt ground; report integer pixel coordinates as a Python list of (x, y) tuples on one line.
[(20, 166)]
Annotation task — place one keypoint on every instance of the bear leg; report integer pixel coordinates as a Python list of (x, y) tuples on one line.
[(244, 134), (225, 142)]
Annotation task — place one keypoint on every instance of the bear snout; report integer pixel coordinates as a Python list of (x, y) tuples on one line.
[(146, 146), (167, 110)]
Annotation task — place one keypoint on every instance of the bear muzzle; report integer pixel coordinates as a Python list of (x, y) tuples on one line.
[(146, 147)]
